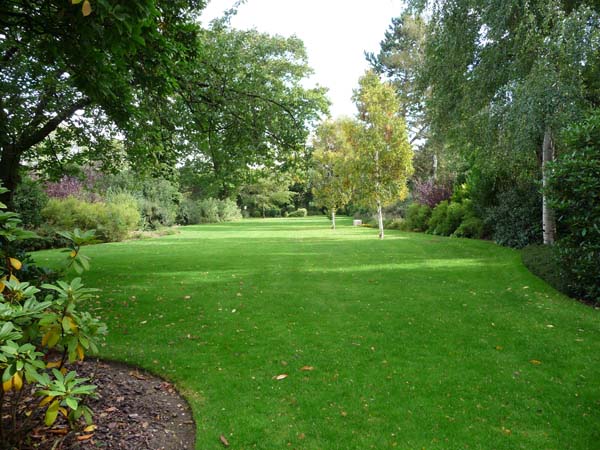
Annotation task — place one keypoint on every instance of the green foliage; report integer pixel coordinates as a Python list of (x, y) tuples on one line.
[(254, 120), (34, 333), (300, 212), (515, 220), (438, 218), (417, 217), (112, 220), (471, 226), (543, 261), (209, 210), (157, 199), (28, 201), (267, 196), (574, 193), (330, 177)]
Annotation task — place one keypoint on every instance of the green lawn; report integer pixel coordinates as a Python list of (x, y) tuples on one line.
[(416, 341)]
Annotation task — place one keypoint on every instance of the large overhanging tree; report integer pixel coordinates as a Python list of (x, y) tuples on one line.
[(56, 61), (506, 76), (245, 105)]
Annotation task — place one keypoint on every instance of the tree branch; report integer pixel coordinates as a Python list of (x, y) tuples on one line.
[(37, 136)]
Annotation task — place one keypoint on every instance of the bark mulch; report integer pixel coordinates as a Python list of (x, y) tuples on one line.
[(134, 410)]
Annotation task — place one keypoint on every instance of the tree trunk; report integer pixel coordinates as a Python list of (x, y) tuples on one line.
[(9, 171), (333, 218), (380, 219), (548, 219)]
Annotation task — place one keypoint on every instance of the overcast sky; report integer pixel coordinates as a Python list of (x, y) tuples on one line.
[(336, 34)]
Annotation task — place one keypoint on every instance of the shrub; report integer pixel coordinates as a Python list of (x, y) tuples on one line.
[(28, 201), (573, 192), (208, 210), (229, 211), (430, 193), (438, 217), (417, 217), (38, 338), (517, 219), (395, 224), (470, 227), (300, 212), (113, 221), (543, 261)]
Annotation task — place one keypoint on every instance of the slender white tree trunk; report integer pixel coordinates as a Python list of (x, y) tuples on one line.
[(380, 219), (548, 219), (333, 218)]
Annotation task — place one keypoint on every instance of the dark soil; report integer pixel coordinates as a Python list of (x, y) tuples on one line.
[(134, 410)]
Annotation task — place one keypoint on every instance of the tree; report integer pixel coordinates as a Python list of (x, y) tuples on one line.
[(382, 153), (246, 105), (330, 180), (506, 76), (269, 191), (56, 61)]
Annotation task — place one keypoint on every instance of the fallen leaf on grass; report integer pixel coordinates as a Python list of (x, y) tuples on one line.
[(499, 347), (307, 368), (224, 441), (535, 362), (280, 377)]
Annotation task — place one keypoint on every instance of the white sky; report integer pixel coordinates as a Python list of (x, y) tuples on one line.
[(335, 32)]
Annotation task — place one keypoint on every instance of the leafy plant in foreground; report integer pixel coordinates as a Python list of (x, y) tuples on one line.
[(38, 337)]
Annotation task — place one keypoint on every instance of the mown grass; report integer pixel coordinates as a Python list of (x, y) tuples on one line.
[(416, 341)]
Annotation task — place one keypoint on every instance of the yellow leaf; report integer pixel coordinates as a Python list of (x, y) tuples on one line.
[(7, 385), (45, 340), (15, 263), (280, 377), (307, 368), (73, 254), (86, 9), (90, 428), (63, 411), (17, 381), (74, 2), (535, 362), (53, 364), (46, 400), (79, 352)]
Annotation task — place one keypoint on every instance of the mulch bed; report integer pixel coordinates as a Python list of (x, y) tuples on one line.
[(134, 410)]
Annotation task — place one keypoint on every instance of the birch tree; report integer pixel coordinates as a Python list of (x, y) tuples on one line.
[(330, 178), (382, 153), (506, 76)]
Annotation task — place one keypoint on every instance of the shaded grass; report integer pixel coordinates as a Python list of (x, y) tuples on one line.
[(416, 341)]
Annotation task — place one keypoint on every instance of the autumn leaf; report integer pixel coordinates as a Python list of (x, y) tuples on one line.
[(224, 441), (307, 368), (84, 437), (86, 9), (535, 362), (280, 377)]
